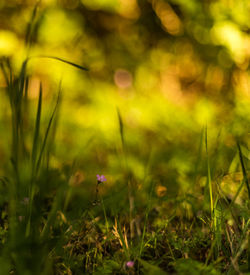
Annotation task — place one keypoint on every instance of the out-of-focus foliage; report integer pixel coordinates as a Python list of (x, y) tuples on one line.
[(163, 113), (169, 67)]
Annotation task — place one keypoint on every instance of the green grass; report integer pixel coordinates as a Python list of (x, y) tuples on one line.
[(52, 223), (39, 236)]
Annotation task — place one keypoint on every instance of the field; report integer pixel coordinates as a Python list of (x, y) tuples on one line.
[(124, 132)]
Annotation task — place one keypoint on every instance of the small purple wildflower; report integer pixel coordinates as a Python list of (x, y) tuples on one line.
[(130, 264), (101, 178)]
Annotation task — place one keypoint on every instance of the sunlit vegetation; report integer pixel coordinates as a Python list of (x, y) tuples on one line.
[(124, 142)]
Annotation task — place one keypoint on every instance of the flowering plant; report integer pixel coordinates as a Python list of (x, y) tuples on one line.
[(101, 178), (130, 264)]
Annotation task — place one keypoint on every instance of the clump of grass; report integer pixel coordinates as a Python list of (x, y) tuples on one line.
[(27, 194), (31, 206)]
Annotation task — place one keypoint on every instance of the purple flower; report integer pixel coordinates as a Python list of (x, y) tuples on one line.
[(101, 178), (130, 264)]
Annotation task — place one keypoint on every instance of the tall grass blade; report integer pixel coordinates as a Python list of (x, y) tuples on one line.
[(37, 128), (209, 176), (128, 175), (5, 75), (62, 60), (36, 165), (28, 35), (218, 221), (245, 179), (199, 156), (121, 128), (26, 90), (34, 156), (21, 84), (48, 130)]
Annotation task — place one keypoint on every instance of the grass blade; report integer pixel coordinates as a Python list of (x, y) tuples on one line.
[(245, 179), (63, 60), (37, 128), (21, 84), (47, 131), (28, 35), (121, 128), (4, 73), (209, 176)]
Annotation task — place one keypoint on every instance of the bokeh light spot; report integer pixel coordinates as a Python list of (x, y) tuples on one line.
[(123, 79)]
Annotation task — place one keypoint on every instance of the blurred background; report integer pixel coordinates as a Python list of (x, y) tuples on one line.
[(159, 72)]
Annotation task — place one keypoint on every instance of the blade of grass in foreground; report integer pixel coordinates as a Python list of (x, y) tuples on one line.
[(34, 157), (21, 83), (61, 60), (215, 222), (128, 174), (209, 176), (245, 179), (47, 131), (37, 129), (37, 165), (199, 156), (30, 25), (121, 128), (5, 75), (218, 221)]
